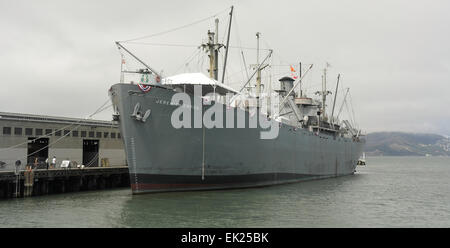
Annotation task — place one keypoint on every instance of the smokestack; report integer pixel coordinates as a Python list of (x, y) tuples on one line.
[(286, 84)]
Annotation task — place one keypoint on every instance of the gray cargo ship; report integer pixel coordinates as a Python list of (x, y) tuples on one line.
[(192, 132)]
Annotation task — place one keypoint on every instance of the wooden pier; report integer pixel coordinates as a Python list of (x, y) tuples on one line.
[(36, 182)]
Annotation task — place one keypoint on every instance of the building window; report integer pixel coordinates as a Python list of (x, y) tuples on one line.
[(91, 134), (105, 135), (118, 135), (83, 133), (17, 131), (28, 131), (74, 133), (113, 135), (58, 133), (6, 130), (66, 132), (48, 132), (38, 131), (99, 134)]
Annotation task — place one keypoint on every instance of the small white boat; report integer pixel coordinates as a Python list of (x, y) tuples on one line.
[(362, 161)]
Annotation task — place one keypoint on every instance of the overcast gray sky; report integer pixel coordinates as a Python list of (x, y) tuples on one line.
[(59, 57)]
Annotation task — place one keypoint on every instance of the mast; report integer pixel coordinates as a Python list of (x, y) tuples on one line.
[(226, 51), (216, 51), (210, 45), (121, 68), (324, 92), (300, 76), (258, 76), (269, 95), (259, 68), (335, 94), (324, 88)]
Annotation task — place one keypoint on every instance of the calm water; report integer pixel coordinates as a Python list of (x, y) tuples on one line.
[(388, 192)]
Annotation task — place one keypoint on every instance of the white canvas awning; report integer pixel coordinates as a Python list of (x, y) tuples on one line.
[(191, 79)]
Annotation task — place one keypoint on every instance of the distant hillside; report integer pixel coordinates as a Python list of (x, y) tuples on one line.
[(406, 144)]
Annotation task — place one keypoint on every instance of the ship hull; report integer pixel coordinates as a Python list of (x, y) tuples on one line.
[(163, 158)]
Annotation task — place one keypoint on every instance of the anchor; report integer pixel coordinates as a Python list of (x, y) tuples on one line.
[(137, 114)]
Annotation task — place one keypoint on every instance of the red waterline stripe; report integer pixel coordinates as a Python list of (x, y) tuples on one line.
[(145, 186)]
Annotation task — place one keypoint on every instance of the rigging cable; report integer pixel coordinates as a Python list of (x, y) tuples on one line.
[(191, 45), (175, 29), (188, 60), (238, 40), (161, 44), (353, 111)]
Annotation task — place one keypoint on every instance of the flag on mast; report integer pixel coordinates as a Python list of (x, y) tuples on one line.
[(293, 72)]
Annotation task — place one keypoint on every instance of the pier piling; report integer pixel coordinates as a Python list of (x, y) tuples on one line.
[(37, 182)]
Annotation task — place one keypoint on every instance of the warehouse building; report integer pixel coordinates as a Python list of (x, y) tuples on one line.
[(34, 138)]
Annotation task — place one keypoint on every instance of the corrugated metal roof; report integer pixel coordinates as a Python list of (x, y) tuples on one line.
[(53, 119)]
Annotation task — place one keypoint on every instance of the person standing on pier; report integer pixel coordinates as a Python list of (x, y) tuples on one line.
[(46, 163), (36, 163), (53, 162)]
